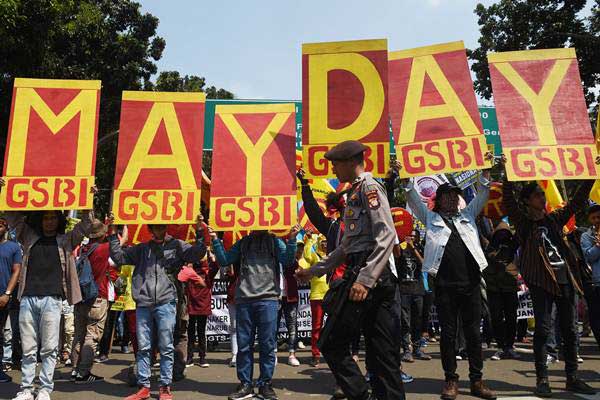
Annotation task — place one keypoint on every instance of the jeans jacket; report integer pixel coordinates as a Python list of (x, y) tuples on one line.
[(591, 252), (438, 233)]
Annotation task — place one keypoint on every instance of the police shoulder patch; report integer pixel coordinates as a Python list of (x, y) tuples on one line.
[(373, 198)]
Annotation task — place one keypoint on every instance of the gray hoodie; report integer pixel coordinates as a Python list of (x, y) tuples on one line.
[(156, 265)]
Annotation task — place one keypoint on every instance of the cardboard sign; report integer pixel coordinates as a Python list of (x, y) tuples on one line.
[(542, 115), (158, 175), (403, 222), (344, 97), (494, 208), (51, 153), (253, 174), (434, 112)]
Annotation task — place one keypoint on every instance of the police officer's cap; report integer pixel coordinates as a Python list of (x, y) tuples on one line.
[(345, 150)]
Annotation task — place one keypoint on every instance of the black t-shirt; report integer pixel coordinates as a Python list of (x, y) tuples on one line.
[(410, 278), (458, 269), (554, 249), (44, 270)]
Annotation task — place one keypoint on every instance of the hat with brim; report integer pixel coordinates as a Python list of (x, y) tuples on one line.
[(593, 209), (447, 188), (98, 230), (345, 150)]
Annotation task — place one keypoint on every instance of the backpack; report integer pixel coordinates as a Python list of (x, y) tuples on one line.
[(87, 284)]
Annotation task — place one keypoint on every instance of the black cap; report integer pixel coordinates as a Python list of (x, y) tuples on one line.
[(593, 208), (530, 189), (345, 150), (447, 188)]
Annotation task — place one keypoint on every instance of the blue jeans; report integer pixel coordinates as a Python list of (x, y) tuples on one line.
[(261, 317), (159, 320), (39, 322)]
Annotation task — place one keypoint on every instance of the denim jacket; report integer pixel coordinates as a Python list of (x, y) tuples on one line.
[(591, 253), (438, 233)]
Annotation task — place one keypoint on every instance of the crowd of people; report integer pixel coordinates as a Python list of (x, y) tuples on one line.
[(58, 285)]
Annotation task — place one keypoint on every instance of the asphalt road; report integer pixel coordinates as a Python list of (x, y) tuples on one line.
[(510, 378)]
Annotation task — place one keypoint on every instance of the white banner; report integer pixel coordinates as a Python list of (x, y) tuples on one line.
[(525, 309)]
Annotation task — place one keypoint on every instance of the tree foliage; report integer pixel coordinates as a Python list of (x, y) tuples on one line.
[(510, 25), (109, 40)]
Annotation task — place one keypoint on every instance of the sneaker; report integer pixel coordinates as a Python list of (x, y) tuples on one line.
[(100, 359), (293, 361), (7, 367), (89, 378), (164, 393), (408, 357), (512, 354), (406, 378), (189, 362), (266, 392), (202, 363), (355, 358), (156, 364), (419, 354), (244, 391), (315, 362), (125, 350), (4, 378), (142, 394), (423, 342), (232, 362), (26, 394), (550, 359), (577, 385), (43, 395), (301, 345), (179, 376), (542, 388), (68, 362), (497, 356), (74, 376), (458, 357), (579, 359)]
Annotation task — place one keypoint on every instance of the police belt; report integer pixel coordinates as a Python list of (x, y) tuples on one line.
[(356, 261)]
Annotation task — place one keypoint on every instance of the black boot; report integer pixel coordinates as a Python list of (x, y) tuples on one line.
[(542, 388), (577, 385)]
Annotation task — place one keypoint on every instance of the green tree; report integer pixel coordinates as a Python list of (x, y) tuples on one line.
[(510, 25), (108, 40), (172, 81)]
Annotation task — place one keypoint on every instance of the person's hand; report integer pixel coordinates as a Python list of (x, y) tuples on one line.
[(300, 175), (502, 160), (212, 233), (94, 189), (303, 275), (4, 299), (294, 231), (489, 156), (597, 163), (395, 168), (2, 182), (199, 282), (409, 242), (358, 292)]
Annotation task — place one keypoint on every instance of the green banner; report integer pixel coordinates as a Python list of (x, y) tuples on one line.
[(490, 128)]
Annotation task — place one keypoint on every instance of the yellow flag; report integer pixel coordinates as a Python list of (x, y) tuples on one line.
[(595, 192)]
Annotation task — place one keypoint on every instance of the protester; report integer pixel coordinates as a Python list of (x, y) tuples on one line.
[(590, 247), (257, 293), (501, 280), (10, 268), (412, 291), (551, 273), (453, 254), (318, 288), (358, 303), (157, 263), (289, 305), (48, 274), (199, 301), (229, 273)]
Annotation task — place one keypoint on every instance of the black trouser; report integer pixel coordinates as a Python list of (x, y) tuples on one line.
[(4, 314), (104, 347), (567, 314), (503, 310), (375, 318), (425, 319), (450, 304), (521, 328), (197, 327), (592, 298), (412, 312), (289, 311)]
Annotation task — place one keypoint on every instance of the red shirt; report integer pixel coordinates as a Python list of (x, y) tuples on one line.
[(101, 268), (199, 298)]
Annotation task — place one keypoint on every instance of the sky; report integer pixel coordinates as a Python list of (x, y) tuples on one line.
[(253, 48)]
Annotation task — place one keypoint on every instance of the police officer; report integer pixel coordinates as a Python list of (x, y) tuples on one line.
[(366, 306)]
